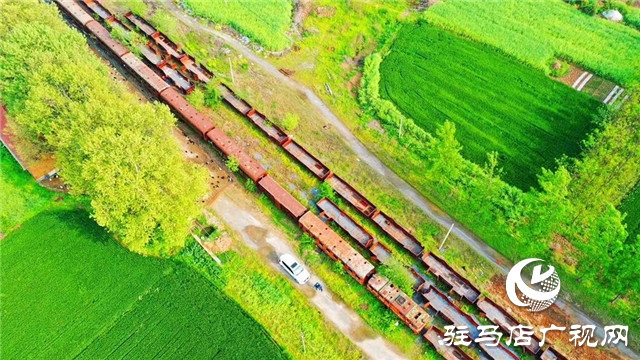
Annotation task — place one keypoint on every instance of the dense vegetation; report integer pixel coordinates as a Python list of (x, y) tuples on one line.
[(496, 103), (571, 218), (266, 22), (536, 33), (114, 149), (630, 13), (63, 297), (631, 207)]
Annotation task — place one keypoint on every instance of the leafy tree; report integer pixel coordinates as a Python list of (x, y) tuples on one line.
[(118, 152), (444, 153)]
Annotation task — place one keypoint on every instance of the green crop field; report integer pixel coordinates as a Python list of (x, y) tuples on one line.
[(70, 291), (631, 206), (21, 196), (497, 103), (538, 31), (263, 21)]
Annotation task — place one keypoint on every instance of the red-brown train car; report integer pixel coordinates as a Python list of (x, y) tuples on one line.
[(104, 36), (283, 199), (186, 111), (400, 303), (145, 73), (337, 248), (75, 11), (247, 164)]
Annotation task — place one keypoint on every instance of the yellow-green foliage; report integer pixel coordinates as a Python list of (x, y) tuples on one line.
[(536, 31), (264, 21), (110, 147)]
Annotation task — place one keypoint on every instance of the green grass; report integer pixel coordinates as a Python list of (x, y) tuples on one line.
[(631, 206), (536, 32), (263, 21), (22, 197), (69, 290), (497, 103)]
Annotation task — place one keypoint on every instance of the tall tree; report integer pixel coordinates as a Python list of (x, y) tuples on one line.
[(110, 147)]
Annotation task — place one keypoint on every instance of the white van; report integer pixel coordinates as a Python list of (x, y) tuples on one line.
[(293, 268)]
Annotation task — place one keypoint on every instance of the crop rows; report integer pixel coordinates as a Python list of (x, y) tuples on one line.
[(536, 32), (263, 21), (70, 290), (497, 103)]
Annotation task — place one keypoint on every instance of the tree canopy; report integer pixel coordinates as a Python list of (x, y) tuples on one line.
[(110, 147)]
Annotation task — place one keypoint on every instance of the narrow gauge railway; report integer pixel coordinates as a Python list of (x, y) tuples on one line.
[(412, 314)]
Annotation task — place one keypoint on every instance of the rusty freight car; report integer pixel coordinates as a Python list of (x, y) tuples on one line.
[(457, 282), (282, 198), (398, 233), (500, 317), (357, 232), (233, 100), (186, 111), (350, 194), (247, 164), (338, 249)]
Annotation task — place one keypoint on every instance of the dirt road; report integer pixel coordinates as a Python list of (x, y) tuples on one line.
[(432, 210), (257, 232)]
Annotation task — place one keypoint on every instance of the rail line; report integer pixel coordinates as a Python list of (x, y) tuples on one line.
[(169, 86)]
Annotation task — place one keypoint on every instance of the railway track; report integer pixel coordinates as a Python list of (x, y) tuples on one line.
[(184, 71), (408, 191)]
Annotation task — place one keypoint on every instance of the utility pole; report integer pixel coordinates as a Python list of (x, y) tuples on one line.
[(400, 130), (445, 237), (304, 346), (231, 70)]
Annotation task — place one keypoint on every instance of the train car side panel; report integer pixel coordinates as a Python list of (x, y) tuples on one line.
[(283, 199), (187, 112)]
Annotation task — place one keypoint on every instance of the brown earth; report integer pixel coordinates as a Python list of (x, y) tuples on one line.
[(543, 319)]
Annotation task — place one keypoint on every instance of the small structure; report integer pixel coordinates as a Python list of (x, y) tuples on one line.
[(613, 15), (41, 168)]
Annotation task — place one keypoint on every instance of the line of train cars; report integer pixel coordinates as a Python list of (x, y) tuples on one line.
[(409, 311)]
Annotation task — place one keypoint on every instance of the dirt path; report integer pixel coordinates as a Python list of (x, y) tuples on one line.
[(410, 193), (258, 233)]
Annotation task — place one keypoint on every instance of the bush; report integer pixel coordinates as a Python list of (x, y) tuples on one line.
[(250, 185), (197, 98), (212, 96), (232, 164), (290, 122), (559, 68)]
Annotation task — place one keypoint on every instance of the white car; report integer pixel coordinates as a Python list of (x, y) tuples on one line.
[(293, 267)]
